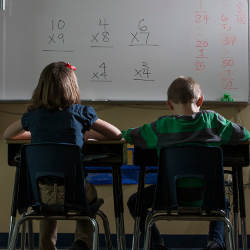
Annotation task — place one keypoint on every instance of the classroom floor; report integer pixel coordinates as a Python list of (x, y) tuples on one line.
[(141, 249)]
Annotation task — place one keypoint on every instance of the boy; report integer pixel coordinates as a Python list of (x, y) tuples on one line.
[(186, 124)]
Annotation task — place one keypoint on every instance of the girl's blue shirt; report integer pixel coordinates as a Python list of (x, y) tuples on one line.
[(60, 126)]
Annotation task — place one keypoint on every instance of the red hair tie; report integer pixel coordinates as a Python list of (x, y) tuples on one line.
[(68, 65)]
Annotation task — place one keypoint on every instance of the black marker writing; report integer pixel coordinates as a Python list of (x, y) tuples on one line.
[(101, 75), (141, 37), (143, 73)]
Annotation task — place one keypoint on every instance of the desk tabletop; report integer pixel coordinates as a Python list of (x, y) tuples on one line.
[(233, 154), (97, 153), (27, 141)]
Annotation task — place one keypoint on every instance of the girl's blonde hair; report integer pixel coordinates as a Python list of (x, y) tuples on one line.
[(57, 88)]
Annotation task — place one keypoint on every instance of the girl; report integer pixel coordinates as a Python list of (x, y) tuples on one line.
[(56, 115)]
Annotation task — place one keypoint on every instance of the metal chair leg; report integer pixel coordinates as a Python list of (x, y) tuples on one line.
[(12, 245), (95, 234), (13, 206), (137, 234), (230, 235), (106, 229), (148, 225), (22, 221), (11, 229)]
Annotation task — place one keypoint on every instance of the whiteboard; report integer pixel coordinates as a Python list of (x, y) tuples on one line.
[(126, 50)]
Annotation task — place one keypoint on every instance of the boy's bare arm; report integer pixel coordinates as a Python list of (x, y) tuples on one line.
[(102, 130)]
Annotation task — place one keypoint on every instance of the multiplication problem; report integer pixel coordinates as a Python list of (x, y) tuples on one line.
[(101, 38), (143, 73), (56, 37), (142, 36), (101, 75), (57, 31)]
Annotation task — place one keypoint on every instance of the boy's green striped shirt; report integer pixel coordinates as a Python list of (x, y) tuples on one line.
[(206, 127)]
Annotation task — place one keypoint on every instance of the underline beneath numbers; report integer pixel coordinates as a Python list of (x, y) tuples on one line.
[(201, 57), (56, 50), (100, 81), (137, 79), (144, 45), (101, 46)]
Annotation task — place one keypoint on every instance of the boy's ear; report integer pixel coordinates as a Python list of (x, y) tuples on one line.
[(200, 101), (170, 105)]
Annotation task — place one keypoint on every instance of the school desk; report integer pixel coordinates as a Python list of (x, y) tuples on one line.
[(114, 154), (101, 153), (234, 156)]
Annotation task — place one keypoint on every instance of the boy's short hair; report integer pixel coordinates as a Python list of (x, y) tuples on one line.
[(184, 90)]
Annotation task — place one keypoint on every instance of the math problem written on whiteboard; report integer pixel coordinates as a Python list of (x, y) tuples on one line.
[(128, 50), (56, 36)]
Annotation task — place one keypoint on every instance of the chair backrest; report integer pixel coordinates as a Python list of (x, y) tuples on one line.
[(59, 162), (190, 175)]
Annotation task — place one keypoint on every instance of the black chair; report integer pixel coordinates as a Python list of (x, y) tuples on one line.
[(59, 165), (190, 187)]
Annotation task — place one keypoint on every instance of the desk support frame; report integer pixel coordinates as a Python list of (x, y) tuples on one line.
[(242, 208), (118, 207), (235, 207)]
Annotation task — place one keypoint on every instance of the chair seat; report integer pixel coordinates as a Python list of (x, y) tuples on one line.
[(53, 210)]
